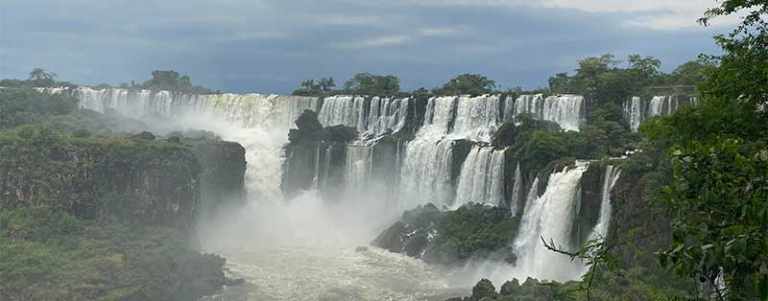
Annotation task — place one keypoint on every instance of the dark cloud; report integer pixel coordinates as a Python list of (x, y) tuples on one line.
[(269, 46)]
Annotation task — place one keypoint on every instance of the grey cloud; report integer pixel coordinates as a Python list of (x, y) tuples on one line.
[(270, 45)]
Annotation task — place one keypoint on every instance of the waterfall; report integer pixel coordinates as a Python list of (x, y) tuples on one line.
[(633, 112), (387, 115), (565, 110), (612, 175), (524, 104), (516, 189), (550, 216), (637, 110), (477, 117), (426, 173), (438, 116), (371, 117), (359, 166), (259, 122), (342, 110), (656, 107), (482, 178)]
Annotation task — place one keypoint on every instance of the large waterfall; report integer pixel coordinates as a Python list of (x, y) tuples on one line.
[(447, 160), (550, 217)]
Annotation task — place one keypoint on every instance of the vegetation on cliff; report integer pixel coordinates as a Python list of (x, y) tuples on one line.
[(451, 237), (89, 211)]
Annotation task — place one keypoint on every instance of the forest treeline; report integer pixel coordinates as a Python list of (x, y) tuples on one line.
[(604, 78)]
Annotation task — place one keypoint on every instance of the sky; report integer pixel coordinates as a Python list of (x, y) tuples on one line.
[(269, 46)]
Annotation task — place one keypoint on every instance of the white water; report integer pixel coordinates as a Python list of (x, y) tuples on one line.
[(612, 175), (637, 110), (477, 117), (298, 250), (482, 178), (633, 112), (373, 117), (565, 110), (550, 216), (517, 186), (426, 173), (305, 249)]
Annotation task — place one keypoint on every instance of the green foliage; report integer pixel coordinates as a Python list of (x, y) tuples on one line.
[(603, 80), (451, 237), (467, 84), (170, 80), (718, 196), (369, 84), (536, 143), (473, 230), (24, 105), (47, 254), (41, 78), (313, 87)]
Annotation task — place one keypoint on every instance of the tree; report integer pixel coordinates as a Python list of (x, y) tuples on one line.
[(692, 73), (468, 84), (326, 84), (315, 87), (41, 78), (170, 80), (718, 196), (366, 83)]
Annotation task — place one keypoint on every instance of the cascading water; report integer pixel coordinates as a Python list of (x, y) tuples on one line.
[(477, 117), (637, 110), (517, 186), (387, 114), (612, 175), (426, 173), (482, 178), (371, 117), (524, 104), (634, 113), (298, 250), (565, 110), (550, 216), (343, 110), (270, 244)]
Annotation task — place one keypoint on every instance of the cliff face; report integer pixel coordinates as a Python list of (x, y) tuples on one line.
[(222, 175), (315, 156), (136, 180), (116, 213)]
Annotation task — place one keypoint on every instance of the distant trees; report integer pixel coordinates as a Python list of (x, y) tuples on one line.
[(471, 84), (170, 80), (603, 79), (316, 87), (41, 78), (361, 83), (366, 83)]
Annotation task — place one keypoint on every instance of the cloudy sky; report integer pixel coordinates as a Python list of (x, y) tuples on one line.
[(269, 46)]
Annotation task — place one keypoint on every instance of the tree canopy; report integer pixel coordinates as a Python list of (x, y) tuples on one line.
[(366, 83), (170, 80), (718, 196), (321, 86), (467, 84)]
